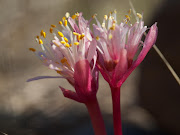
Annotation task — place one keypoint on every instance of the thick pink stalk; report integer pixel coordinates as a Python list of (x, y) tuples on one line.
[(96, 117), (115, 91)]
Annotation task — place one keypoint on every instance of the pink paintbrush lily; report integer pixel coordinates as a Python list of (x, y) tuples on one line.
[(118, 44), (72, 54)]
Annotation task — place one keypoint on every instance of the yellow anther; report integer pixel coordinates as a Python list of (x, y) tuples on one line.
[(40, 42), (41, 33), (94, 15), (114, 21), (66, 39), (52, 25), (59, 72), (67, 45), (37, 37), (127, 17), (115, 11), (75, 33), (103, 25), (60, 34), (51, 30), (44, 34), (110, 36), (76, 43), (65, 22), (97, 38), (82, 36), (60, 22), (70, 45), (73, 17), (67, 14), (64, 18), (139, 15), (77, 14), (32, 49), (79, 37), (129, 11), (63, 42), (105, 17), (63, 60), (113, 26), (56, 44)]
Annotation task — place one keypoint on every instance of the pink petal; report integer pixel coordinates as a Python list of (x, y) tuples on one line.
[(70, 94), (73, 24), (92, 50), (82, 77), (121, 66), (149, 42)]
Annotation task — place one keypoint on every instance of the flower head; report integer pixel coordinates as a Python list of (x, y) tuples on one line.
[(72, 54), (118, 44)]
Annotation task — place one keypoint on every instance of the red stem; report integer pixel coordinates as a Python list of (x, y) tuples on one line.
[(115, 91), (96, 117)]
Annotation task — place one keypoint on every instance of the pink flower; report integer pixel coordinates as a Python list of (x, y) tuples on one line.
[(118, 44), (72, 54)]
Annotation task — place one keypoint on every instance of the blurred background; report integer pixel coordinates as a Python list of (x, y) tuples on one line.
[(150, 97)]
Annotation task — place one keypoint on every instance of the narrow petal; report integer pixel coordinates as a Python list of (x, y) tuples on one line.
[(70, 94), (122, 65), (82, 77), (149, 42), (43, 77), (92, 50)]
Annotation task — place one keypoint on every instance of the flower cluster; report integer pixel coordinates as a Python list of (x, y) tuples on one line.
[(76, 52), (118, 44), (73, 55)]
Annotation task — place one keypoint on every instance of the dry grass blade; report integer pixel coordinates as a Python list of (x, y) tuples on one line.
[(167, 64)]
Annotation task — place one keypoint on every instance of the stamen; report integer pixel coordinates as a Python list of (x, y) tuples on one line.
[(77, 14), (60, 22), (56, 44), (113, 26), (37, 37), (105, 17), (76, 43), (129, 11), (110, 36), (59, 72), (139, 15), (44, 34), (115, 11), (65, 22), (82, 36), (52, 25), (94, 16), (73, 17), (40, 42), (51, 30), (97, 38), (75, 33), (66, 39), (103, 25), (127, 17), (64, 18), (41, 33), (63, 60), (67, 14), (60, 34), (32, 49), (67, 45), (63, 42)]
